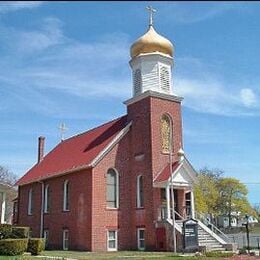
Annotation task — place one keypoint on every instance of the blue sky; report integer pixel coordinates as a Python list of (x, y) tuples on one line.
[(68, 62)]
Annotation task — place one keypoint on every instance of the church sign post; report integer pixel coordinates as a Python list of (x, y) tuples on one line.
[(190, 235)]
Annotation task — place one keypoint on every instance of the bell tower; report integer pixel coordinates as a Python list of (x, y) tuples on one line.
[(153, 99), (151, 62), (156, 123)]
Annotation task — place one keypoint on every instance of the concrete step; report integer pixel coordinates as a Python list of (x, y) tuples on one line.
[(209, 243)]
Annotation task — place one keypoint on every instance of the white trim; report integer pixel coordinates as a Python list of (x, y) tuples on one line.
[(213, 234), (3, 208), (188, 169), (30, 197), (115, 239), (168, 201), (65, 195), (111, 145), (177, 226), (63, 239), (138, 194), (154, 56), (192, 204), (150, 93), (139, 239), (46, 201)]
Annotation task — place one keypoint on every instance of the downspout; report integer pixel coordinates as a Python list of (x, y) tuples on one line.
[(42, 206)]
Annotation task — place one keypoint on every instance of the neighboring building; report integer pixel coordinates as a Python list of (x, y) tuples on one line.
[(236, 220), (110, 188), (223, 221), (7, 194)]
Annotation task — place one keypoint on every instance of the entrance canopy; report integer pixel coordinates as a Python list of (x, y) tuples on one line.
[(183, 175)]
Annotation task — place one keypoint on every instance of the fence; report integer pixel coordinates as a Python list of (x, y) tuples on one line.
[(241, 240)]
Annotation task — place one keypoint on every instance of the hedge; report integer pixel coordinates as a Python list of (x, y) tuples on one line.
[(13, 246), (36, 245), (5, 231), (20, 232)]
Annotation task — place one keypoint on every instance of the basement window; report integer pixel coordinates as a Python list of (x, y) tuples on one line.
[(65, 242), (141, 238), (112, 240)]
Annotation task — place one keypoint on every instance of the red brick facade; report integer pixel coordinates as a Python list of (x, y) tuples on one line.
[(88, 220)]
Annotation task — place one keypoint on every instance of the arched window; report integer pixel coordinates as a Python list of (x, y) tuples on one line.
[(30, 201), (166, 133), (112, 189), (140, 192), (66, 195), (46, 199)]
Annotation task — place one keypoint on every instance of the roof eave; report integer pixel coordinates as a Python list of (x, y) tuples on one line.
[(94, 162)]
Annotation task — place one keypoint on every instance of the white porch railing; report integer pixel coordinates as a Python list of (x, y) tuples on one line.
[(213, 230), (206, 224), (163, 214)]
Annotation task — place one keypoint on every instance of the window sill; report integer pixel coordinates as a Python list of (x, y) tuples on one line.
[(139, 208), (29, 214), (112, 249), (167, 153), (112, 209), (65, 210)]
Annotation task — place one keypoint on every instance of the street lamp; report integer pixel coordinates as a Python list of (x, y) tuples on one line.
[(247, 231)]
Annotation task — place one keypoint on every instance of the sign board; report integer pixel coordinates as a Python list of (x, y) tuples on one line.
[(190, 235)]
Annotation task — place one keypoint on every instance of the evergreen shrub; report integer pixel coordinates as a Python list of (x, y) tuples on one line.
[(5, 231), (36, 245), (13, 246), (20, 232)]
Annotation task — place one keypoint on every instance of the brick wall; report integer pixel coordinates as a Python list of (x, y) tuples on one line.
[(77, 219)]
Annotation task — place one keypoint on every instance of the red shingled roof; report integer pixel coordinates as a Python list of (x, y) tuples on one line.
[(77, 151), (165, 173)]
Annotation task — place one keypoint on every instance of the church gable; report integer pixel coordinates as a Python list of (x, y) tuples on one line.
[(183, 177), (182, 172)]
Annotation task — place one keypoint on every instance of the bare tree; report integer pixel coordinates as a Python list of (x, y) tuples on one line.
[(7, 177), (7, 182)]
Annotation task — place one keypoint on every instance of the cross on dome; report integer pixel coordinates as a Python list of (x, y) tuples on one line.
[(152, 11)]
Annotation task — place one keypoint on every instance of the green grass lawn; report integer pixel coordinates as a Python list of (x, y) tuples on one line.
[(62, 255)]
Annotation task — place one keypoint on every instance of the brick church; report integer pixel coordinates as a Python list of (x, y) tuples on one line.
[(112, 187)]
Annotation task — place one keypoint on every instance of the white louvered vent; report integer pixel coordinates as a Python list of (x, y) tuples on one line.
[(137, 81), (165, 79)]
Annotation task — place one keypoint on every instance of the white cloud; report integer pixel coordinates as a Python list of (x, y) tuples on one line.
[(248, 97), (24, 42), (204, 92), (45, 60), (11, 6)]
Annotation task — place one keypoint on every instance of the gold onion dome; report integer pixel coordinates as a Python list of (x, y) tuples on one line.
[(151, 42)]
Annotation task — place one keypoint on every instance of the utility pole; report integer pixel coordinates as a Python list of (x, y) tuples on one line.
[(247, 232), (172, 194)]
